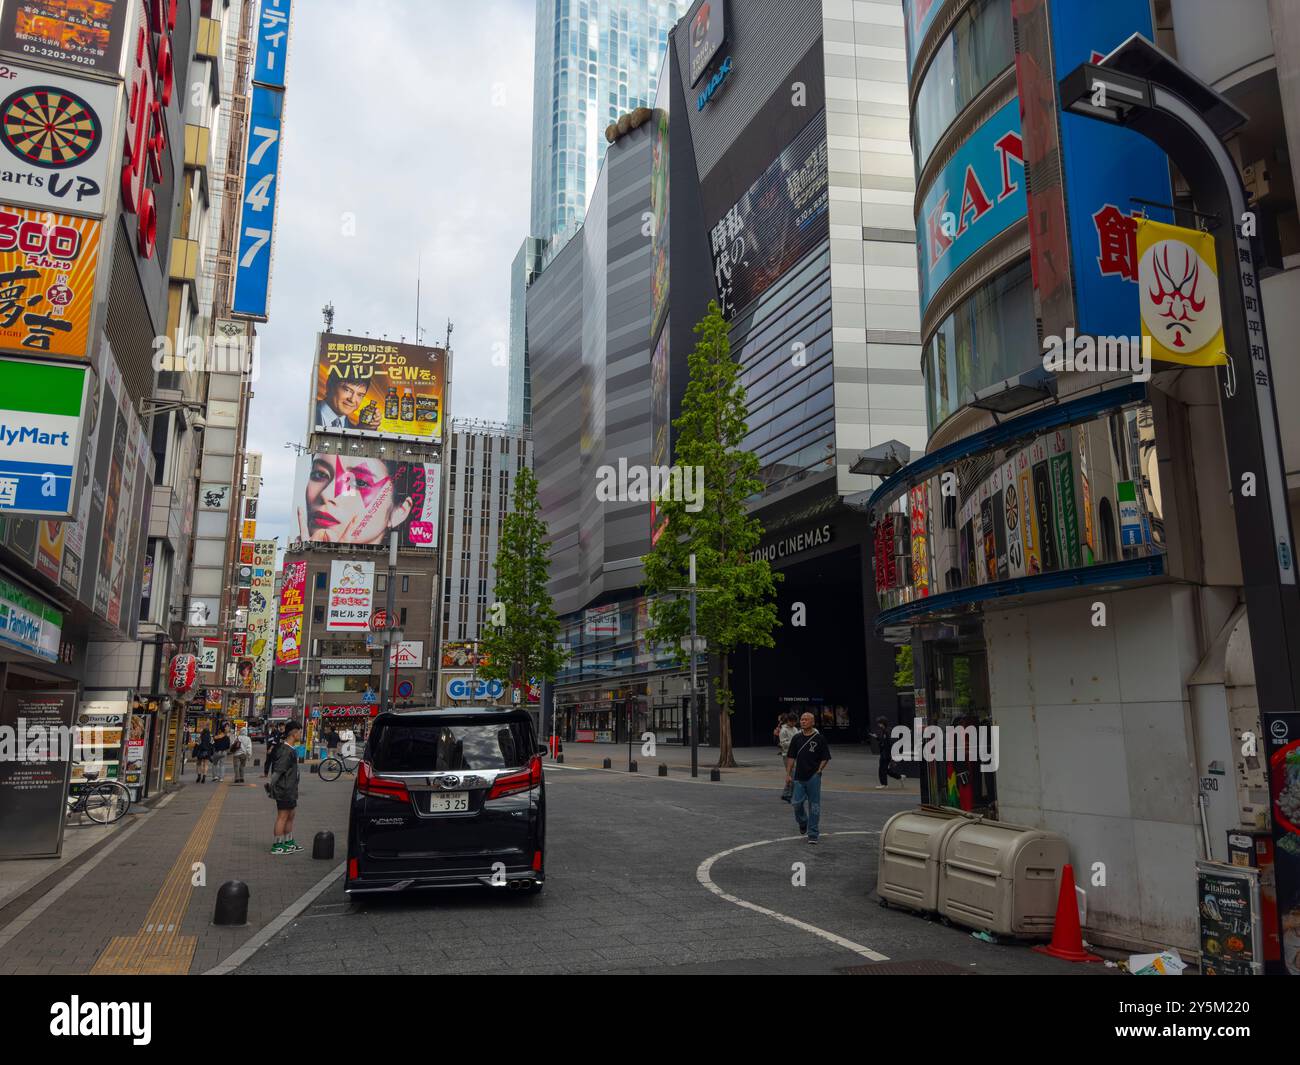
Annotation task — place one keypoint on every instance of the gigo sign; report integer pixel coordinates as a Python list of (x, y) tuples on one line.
[(149, 88), (468, 688)]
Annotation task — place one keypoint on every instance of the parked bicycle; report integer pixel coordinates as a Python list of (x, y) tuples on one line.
[(104, 802), (335, 766)]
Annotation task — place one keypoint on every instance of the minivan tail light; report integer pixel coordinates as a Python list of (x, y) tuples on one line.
[(380, 787), (516, 782)]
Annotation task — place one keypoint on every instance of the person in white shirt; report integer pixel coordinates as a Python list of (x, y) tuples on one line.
[(342, 401), (243, 747)]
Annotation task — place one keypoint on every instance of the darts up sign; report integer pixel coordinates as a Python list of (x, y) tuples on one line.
[(53, 131)]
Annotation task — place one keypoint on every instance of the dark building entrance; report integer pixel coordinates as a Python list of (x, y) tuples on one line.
[(820, 665)]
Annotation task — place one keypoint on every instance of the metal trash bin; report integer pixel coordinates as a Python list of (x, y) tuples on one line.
[(911, 844), (1001, 878)]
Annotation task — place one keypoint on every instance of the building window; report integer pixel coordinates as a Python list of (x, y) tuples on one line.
[(381, 582), (403, 623), (320, 580), (406, 584), (318, 614)]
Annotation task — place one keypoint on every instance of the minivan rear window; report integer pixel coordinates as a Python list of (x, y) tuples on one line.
[(426, 747)]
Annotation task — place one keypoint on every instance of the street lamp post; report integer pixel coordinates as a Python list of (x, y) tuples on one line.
[(391, 608)]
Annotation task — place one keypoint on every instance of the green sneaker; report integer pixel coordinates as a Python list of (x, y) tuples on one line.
[(279, 848), (291, 846)]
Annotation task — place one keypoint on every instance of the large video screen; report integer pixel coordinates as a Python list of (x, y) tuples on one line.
[(776, 223)]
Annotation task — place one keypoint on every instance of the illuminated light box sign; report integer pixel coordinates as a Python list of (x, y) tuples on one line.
[(974, 198), (41, 407)]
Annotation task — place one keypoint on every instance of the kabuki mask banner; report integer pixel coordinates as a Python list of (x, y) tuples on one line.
[(1178, 291)]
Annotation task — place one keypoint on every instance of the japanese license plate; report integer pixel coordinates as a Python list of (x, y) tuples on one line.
[(450, 802)]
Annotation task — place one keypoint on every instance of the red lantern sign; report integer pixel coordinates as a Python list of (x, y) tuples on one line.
[(182, 673)]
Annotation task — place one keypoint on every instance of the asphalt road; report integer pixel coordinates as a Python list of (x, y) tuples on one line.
[(653, 875)]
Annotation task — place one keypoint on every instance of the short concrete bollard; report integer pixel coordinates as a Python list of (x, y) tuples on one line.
[(714, 775), (663, 769), (323, 845), (608, 764), (232, 904), (631, 767)]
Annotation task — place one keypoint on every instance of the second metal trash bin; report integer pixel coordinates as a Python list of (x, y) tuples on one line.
[(911, 844), (1001, 878)]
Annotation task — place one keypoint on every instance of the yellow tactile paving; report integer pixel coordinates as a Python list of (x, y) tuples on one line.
[(157, 949)]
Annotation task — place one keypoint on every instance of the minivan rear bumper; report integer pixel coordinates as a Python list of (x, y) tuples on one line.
[(508, 881)]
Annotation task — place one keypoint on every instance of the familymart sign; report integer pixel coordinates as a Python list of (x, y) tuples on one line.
[(28, 624), (40, 436)]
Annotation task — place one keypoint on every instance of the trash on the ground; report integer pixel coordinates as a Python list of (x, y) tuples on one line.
[(1166, 963), (984, 936), (1111, 964)]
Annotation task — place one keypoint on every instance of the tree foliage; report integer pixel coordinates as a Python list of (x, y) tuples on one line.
[(525, 646), (736, 602)]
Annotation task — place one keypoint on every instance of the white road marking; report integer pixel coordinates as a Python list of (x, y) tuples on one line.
[(266, 934), (574, 768), (29, 915), (702, 875)]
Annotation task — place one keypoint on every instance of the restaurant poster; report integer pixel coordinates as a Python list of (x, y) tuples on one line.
[(47, 263)]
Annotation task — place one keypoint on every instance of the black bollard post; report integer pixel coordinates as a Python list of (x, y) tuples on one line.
[(232, 904), (315, 768), (631, 767), (256, 762), (323, 845), (714, 775), (663, 769), (559, 759), (608, 764)]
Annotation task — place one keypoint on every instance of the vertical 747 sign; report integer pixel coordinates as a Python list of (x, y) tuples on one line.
[(262, 164)]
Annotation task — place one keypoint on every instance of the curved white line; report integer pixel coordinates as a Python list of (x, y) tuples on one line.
[(702, 875)]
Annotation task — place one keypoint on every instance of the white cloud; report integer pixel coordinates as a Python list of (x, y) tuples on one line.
[(415, 118)]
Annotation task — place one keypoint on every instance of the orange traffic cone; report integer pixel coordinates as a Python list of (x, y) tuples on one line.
[(1067, 939)]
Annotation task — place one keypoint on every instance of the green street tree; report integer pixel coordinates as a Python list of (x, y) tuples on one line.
[(736, 603), (520, 639)]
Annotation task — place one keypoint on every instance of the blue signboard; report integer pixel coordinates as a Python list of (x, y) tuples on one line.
[(41, 407), (1106, 168), (917, 16), (974, 198), (257, 216), (272, 43)]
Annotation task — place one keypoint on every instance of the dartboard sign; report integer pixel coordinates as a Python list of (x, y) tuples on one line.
[(53, 130)]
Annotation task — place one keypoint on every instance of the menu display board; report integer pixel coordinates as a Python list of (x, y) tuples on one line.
[(1227, 898), (99, 742)]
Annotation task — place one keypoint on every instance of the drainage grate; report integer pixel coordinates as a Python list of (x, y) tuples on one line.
[(906, 968)]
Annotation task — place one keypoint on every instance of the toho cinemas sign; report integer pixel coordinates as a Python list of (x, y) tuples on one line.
[(150, 84)]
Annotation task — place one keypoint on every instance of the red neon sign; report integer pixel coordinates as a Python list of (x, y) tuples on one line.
[(151, 80)]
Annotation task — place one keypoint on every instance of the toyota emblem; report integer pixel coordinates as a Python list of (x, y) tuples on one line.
[(449, 782)]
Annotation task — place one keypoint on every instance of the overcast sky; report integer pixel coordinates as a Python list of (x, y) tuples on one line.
[(415, 118)]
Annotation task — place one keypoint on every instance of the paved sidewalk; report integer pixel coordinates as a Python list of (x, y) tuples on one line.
[(853, 767), (146, 903)]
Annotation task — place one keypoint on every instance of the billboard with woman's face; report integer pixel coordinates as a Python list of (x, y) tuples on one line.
[(360, 499)]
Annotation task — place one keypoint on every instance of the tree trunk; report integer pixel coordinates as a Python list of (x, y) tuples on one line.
[(726, 757)]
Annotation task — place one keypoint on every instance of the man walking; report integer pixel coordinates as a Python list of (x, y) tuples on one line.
[(243, 747), (807, 757), (283, 788), (272, 739)]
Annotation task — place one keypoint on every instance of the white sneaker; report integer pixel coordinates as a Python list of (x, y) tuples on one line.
[(879, 786)]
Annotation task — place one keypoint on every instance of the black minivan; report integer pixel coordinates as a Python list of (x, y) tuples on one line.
[(448, 797)]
